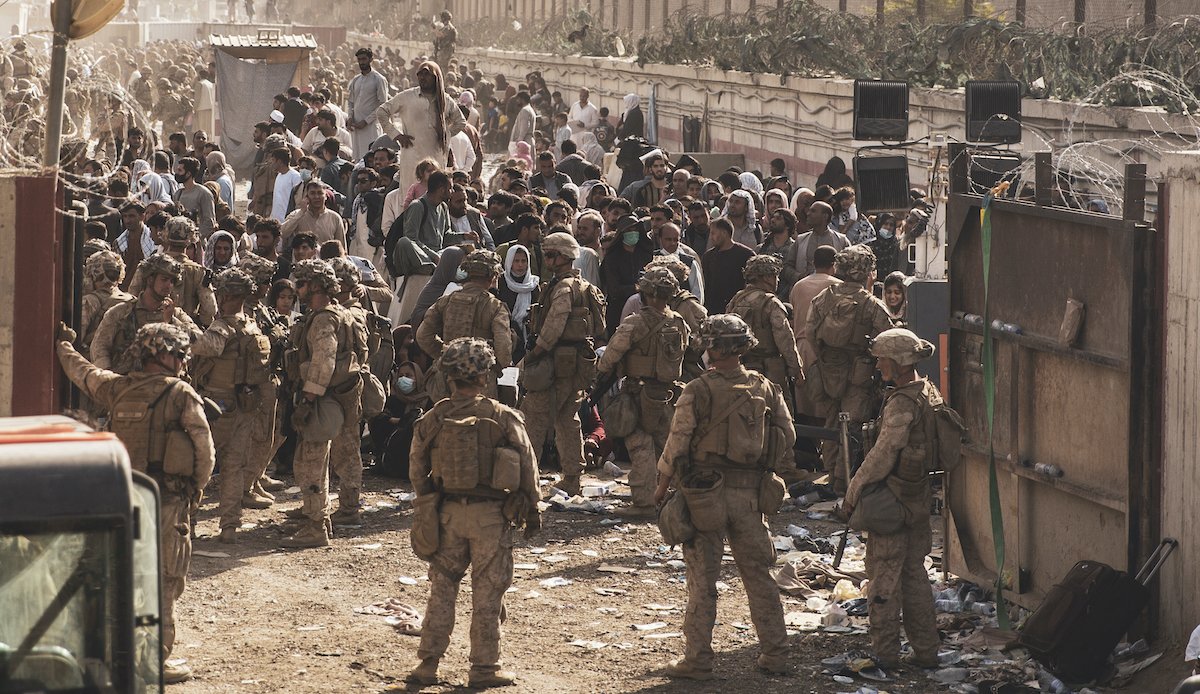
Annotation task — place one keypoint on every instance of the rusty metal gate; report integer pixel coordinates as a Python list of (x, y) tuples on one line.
[(1074, 422)]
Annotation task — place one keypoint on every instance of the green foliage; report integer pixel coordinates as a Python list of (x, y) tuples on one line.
[(804, 38)]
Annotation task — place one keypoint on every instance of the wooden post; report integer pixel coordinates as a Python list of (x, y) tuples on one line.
[(1043, 179), (1134, 207), (968, 9), (1151, 13), (841, 5), (1020, 12), (921, 11), (879, 11), (960, 160), (1080, 11)]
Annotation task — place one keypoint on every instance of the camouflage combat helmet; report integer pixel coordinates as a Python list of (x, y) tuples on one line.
[(347, 273), (480, 263), (180, 231), (727, 332), (154, 339), (762, 266), (161, 264), (104, 266), (672, 263), (902, 346), (465, 358), (92, 246), (855, 263), (658, 282), (316, 272), (261, 270), (233, 282), (561, 242)]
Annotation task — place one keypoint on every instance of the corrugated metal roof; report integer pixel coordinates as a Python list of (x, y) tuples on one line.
[(263, 41)]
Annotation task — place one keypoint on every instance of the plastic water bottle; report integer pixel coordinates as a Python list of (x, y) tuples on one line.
[(983, 608), (1048, 469), (947, 605)]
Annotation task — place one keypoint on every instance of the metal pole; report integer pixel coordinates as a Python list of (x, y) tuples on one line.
[(1080, 11), (58, 82), (1021, 12), (1151, 13)]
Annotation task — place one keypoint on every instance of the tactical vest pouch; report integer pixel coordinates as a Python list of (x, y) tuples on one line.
[(538, 373), (621, 413), (179, 458), (455, 453), (373, 395), (668, 361), (506, 469), (704, 493), (132, 416), (566, 360), (655, 404), (291, 365), (426, 534), (578, 326), (879, 511), (248, 398), (770, 493), (674, 521), (255, 360), (640, 365), (747, 432), (840, 323)]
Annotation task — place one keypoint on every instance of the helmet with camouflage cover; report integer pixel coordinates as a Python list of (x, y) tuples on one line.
[(347, 273), (104, 266), (93, 246), (902, 346), (854, 263), (316, 272), (561, 242), (480, 263), (233, 282), (672, 263), (466, 358), (261, 270), (161, 264), (762, 266), (658, 282), (154, 339), (727, 332), (180, 231)]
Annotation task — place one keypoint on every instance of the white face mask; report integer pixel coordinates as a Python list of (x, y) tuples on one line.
[(460, 275)]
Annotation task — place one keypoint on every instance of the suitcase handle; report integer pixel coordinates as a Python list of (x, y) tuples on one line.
[(1157, 558)]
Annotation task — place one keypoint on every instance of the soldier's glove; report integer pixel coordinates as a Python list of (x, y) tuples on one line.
[(533, 524), (301, 413), (65, 333)]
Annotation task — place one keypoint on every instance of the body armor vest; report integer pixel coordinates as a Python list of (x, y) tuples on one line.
[(752, 304), (465, 448), (586, 319), (105, 300), (657, 350), (244, 362), (140, 417), (351, 346), (469, 313), (734, 430)]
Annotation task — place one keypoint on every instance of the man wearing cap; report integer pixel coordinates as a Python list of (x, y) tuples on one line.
[(901, 458), (652, 189), (279, 127), (366, 92), (568, 318), (428, 118)]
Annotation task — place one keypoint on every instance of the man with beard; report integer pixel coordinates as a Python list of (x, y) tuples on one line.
[(364, 95), (466, 224), (800, 255), (652, 189), (695, 234), (194, 198), (430, 118)]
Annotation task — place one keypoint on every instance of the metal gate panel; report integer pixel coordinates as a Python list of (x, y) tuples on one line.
[(1079, 407)]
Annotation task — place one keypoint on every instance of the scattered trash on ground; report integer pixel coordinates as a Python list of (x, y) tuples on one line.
[(402, 616)]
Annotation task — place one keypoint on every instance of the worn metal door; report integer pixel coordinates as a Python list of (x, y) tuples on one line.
[(1082, 408)]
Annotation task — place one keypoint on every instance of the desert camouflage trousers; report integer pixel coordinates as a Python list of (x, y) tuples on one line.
[(896, 567)]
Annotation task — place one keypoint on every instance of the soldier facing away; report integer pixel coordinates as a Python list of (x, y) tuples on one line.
[(730, 430), (775, 355), (689, 306), (473, 464), (161, 421)]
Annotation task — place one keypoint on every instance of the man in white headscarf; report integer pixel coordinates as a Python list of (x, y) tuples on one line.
[(429, 118), (739, 210), (589, 147)]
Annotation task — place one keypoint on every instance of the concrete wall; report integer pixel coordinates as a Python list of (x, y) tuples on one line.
[(803, 121)]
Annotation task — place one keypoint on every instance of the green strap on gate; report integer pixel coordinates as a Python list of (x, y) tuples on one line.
[(989, 394)]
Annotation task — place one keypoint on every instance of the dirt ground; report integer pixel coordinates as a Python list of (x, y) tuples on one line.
[(270, 620)]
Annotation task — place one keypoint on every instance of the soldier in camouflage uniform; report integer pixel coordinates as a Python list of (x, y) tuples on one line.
[(161, 421), (172, 108), (841, 323), (191, 292), (901, 457), (154, 304), (775, 356), (105, 270), (472, 311), (565, 323), (647, 349), (474, 453), (277, 329), (729, 423), (687, 305), (328, 349), (346, 457), (231, 367)]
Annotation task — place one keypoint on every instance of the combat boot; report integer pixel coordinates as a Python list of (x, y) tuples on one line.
[(570, 485), (174, 674), (349, 507), (775, 666), (256, 502), (636, 512), (425, 673), (295, 513), (256, 489), (310, 535), (682, 669), (496, 678), (228, 536), (913, 661), (270, 484)]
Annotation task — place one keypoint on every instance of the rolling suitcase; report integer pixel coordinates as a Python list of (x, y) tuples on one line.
[(1082, 618)]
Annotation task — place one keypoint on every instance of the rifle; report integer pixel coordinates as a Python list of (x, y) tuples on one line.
[(602, 387), (844, 425)]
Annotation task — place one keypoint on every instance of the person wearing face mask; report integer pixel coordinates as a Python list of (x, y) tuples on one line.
[(519, 291), (156, 394), (391, 431), (621, 266), (885, 245), (472, 311)]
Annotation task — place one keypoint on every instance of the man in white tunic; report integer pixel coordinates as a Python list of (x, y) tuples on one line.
[(429, 118), (364, 95)]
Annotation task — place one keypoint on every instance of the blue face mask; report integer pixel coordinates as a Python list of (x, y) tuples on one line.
[(405, 384), (630, 238), (460, 275), (886, 233), (305, 175)]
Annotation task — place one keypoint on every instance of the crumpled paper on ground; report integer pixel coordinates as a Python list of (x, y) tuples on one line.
[(808, 574), (404, 617)]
